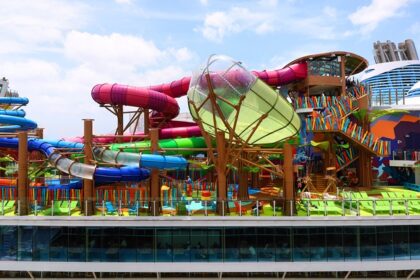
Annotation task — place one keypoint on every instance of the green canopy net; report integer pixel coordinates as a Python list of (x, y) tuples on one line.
[(243, 104)]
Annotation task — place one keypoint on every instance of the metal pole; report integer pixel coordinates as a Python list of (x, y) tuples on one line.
[(274, 207), (258, 208)]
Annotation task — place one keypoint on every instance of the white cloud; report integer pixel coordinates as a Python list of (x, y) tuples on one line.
[(105, 50), (26, 25), (219, 24), (330, 11), (123, 1), (368, 17), (268, 3), (204, 2), (267, 16), (415, 28), (59, 92)]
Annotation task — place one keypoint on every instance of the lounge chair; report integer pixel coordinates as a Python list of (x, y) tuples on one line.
[(8, 206), (389, 201), (134, 211), (332, 207), (55, 209), (110, 209), (371, 205), (67, 206), (413, 203)]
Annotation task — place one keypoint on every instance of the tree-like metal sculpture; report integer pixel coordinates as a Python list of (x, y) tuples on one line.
[(242, 113)]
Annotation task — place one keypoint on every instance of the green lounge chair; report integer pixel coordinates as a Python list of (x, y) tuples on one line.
[(413, 202), (332, 207), (311, 207), (316, 207), (389, 201), (67, 206), (8, 206), (55, 209), (370, 205)]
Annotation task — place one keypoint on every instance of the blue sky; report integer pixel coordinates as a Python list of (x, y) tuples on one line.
[(55, 51)]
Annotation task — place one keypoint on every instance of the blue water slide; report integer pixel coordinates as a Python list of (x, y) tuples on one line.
[(77, 169), (128, 159), (13, 120)]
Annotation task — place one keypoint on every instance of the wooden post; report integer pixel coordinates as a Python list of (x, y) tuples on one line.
[(243, 181), (146, 121), (343, 75), (88, 193), (39, 132), (120, 122), (22, 183), (365, 164), (221, 174), (289, 186), (154, 200)]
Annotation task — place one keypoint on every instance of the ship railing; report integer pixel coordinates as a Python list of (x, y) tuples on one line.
[(194, 207)]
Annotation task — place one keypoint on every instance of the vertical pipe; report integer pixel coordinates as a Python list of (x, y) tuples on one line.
[(154, 175), (389, 97), (88, 192), (22, 195), (288, 179)]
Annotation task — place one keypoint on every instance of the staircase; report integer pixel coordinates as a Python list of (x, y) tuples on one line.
[(345, 157), (352, 132)]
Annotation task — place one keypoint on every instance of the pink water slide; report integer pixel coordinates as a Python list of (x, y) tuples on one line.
[(161, 98)]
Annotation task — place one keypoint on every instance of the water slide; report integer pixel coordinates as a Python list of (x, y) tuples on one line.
[(134, 171), (161, 99), (13, 120)]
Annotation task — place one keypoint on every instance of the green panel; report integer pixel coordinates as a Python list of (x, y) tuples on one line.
[(134, 147)]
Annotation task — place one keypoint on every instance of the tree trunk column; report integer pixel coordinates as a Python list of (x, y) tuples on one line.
[(120, 122), (88, 199), (289, 190), (365, 160), (221, 208), (22, 194), (243, 181), (155, 205)]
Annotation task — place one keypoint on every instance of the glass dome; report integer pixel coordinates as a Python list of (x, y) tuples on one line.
[(243, 104)]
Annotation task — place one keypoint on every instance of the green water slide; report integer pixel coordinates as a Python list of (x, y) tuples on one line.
[(177, 143)]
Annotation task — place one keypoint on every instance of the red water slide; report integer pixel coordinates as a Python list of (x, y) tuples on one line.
[(161, 98)]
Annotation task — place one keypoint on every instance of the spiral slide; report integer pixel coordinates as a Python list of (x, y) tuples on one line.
[(161, 98), (13, 120), (134, 172)]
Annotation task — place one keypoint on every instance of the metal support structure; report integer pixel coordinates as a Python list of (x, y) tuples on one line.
[(22, 182), (88, 193)]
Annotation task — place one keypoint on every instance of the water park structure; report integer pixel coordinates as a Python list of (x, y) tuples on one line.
[(278, 167)]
